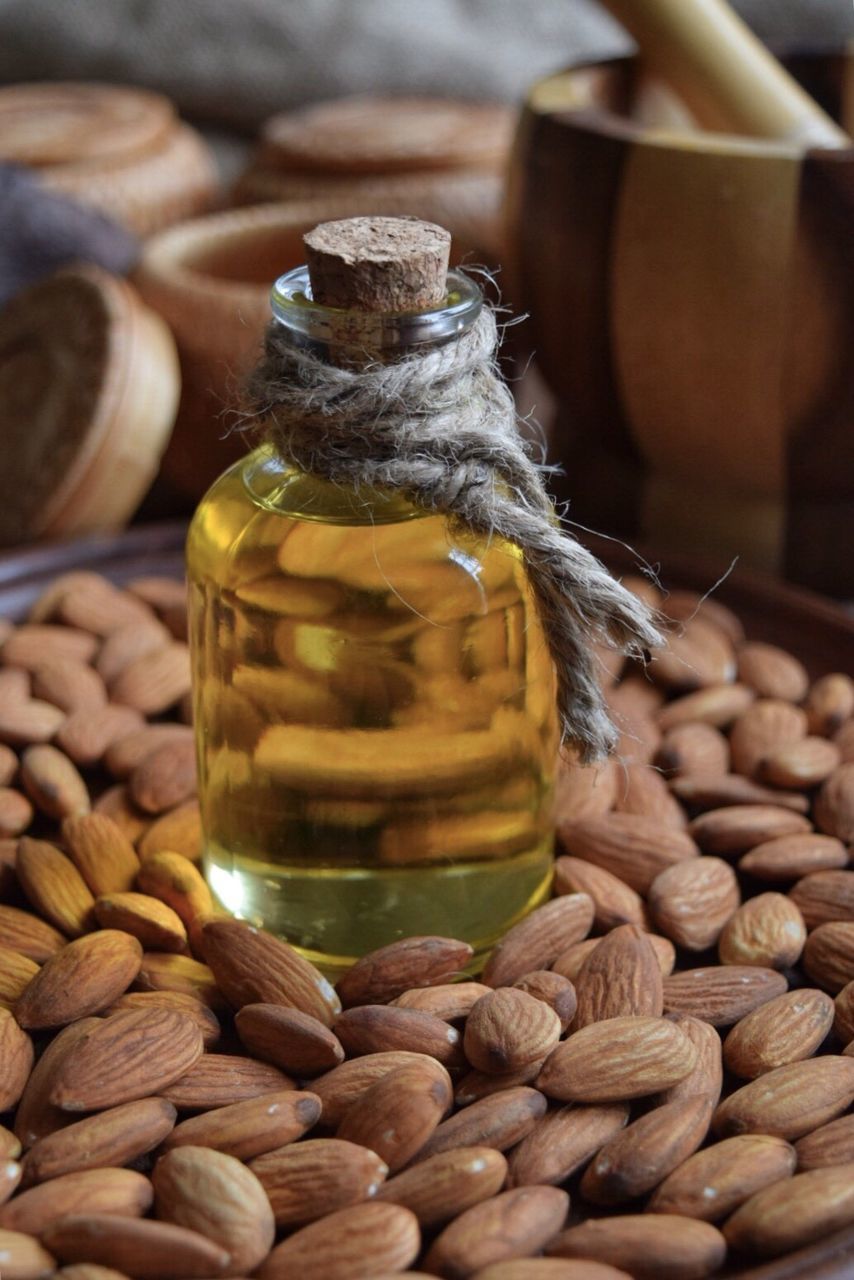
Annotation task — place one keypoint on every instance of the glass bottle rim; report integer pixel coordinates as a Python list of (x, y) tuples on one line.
[(294, 307)]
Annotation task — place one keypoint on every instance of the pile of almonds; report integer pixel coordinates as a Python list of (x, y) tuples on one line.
[(652, 1076)]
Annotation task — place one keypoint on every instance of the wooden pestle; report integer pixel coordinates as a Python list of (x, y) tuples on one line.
[(727, 77)]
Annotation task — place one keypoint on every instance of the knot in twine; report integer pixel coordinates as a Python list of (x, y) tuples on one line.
[(439, 427)]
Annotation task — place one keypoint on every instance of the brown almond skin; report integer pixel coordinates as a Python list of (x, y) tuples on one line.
[(802, 764), (843, 1022), (557, 992), (834, 806), (82, 979), (828, 955), (212, 1193), (702, 792), (69, 685), (792, 857), (508, 1030), (24, 1258), (614, 901), (253, 967), (113, 1191), (178, 831), (150, 921), (734, 830), (789, 1101), (128, 752), (374, 1028), (204, 1018), (36, 1116), (16, 972), (111, 1138), (102, 853), (174, 880), (85, 735), (53, 783), (398, 1114), (650, 1245), (722, 995), (706, 1076), (116, 803), (16, 812), (340, 1088), (389, 971), (536, 941), (772, 672), (16, 1060), (296, 1042), (307, 1180), (692, 901), (697, 653), (161, 971), (364, 1239), (447, 1184), (450, 1001), (767, 930), (537, 1269), (794, 1212), (219, 1079), (512, 1224), (717, 705), (165, 778), (251, 1128), (54, 886), (500, 1121), (635, 1160), (562, 1142), (715, 1181), (128, 1056), (475, 1085), (829, 703), (33, 721), (824, 896), (154, 682), (784, 1030), (620, 978), (763, 727), (617, 1059), (643, 791), (634, 849), (694, 749), (149, 1250), (830, 1144)]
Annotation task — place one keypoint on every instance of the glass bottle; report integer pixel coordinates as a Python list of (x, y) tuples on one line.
[(374, 696)]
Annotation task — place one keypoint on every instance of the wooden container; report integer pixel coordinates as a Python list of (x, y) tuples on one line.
[(692, 310), (210, 279), (122, 150)]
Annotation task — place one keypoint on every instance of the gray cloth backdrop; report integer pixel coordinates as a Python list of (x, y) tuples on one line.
[(234, 62)]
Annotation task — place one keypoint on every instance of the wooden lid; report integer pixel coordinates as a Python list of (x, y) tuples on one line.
[(88, 392), (66, 124), (378, 264), (383, 135)]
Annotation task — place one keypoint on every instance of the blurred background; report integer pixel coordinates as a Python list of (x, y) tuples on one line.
[(688, 290)]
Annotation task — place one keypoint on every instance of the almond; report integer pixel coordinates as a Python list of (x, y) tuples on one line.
[(160, 592), (768, 724), (253, 967), (126, 645), (165, 778), (147, 1249), (27, 722), (16, 1060), (450, 1001), (801, 764), (569, 962), (500, 1121), (86, 736), (513, 1224), (557, 992), (692, 901), (310, 1179), (96, 605), (830, 1144), (298, 1043), (584, 791), (44, 607), (614, 902), (162, 971), (214, 1194), (36, 1116), (824, 896), (178, 831), (249, 1129), (365, 1239), (24, 932), (16, 812), (15, 686), (791, 857), (69, 685), (829, 955), (475, 1085), (631, 848), (128, 1056), (562, 1141), (772, 672), (398, 1114), (536, 941), (33, 644), (204, 1018), (147, 919), (375, 1028), (741, 827), (127, 754), (154, 682), (82, 979), (784, 1030), (509, 1029), (219, 1079), (706, 1076), (732, 789), (109, 1191), (643, 791), (620, 978), (447, 1184), (8, 759), (116, 803), (714, 1182), (620, 1058), (693, 749), (639, 1157), (10, 1146), (16, 971), (52, 782), (697, 654), (789, 1101), (843, 1023), (651, 1245), (721, 995), (687, 605), (717, 705), (340, 1088), (767, 930), (829, 703), (176, 882), (54, 886), (111, 1138), (23, 1258), (389, 971), (794, 1212)]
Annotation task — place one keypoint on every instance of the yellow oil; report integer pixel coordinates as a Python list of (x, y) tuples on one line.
[(375, 713)]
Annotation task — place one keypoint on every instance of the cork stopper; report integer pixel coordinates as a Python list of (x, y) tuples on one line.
[(378, 264)]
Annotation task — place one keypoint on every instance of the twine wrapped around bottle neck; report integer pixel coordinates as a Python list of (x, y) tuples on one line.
[(439, 427)]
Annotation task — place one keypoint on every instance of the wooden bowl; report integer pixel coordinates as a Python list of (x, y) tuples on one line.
[(210, 280), (122, 150), (692, 310)]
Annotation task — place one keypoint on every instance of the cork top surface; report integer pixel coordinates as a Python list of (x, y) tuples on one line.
[(378, 263)]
